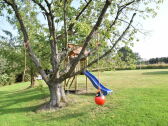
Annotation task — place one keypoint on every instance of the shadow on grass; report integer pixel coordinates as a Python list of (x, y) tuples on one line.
[(9, 101), (13, 101), (70, 116), (17, 110), (87, 94), (156, 73)]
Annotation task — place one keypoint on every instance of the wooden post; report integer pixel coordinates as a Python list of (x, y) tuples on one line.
[(86, 85), (72, 82), (76, 85), (86, 63), (65, 87), (98, 57), (76, 81)]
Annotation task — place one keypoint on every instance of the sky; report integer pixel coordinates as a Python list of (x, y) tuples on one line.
[(155, 44)]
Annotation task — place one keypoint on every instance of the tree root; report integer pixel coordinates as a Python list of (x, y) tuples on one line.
[(47, 107)]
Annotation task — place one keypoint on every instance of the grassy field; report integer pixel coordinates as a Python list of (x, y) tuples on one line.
[(140, 98)]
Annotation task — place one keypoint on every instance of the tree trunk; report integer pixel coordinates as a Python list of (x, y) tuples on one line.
[(57, 97), (32, 81), (32, 78), (25, 65)]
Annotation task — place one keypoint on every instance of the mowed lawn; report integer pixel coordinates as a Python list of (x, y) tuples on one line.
[(139, 98)]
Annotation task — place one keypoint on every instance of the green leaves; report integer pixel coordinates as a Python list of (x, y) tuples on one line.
[(113, 24), (126, 58), (6, 79), (39, 1), (9, 11), (83, 28)]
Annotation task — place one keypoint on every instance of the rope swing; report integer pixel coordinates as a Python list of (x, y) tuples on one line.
[(99, 98)]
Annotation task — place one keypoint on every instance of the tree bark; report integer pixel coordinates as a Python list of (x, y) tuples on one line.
[(25, 65), (57, 96), (32, 80)]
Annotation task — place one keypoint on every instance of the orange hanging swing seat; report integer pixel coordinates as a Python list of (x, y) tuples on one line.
[(99, 98)]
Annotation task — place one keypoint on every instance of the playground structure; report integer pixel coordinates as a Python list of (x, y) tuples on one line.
[(71, 84), (96, 83)]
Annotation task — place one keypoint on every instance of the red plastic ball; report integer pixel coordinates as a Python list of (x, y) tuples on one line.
[(100, 100)]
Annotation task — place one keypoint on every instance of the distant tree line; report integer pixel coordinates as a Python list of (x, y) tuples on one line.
[(125, 57), (158, 60)]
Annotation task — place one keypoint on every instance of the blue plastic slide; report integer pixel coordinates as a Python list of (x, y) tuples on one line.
[(96, 83)]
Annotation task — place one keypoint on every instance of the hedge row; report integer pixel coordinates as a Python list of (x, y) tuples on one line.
[(153, 66), (149, 66)]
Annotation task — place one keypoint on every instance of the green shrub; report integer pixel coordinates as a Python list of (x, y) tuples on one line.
[(6, 79), (153, 66), (133, 67)]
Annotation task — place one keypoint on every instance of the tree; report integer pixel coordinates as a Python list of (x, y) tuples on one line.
[(9, 62), (37, 37), (126, 58), (158, 60), (76, 24), (14, 65)]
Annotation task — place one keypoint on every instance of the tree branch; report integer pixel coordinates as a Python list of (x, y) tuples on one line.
[(52, 38), (65, 24), (127, 4), (132, 26), (41, 6), (88, 38), (107, 52), (116, 42), (62, 56), (26, 39), (119, 11), (80, 13), (69, 31), (48, 4)]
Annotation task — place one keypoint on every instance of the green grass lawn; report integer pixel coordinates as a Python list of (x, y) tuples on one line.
[(140, 98)]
